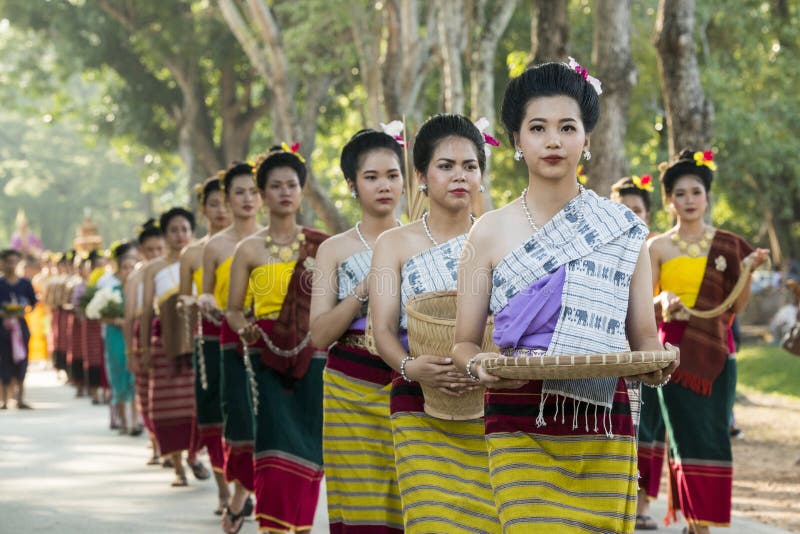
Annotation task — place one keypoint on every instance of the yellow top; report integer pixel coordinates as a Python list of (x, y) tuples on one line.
[(683, 275), (222, 282), (269, 284), (95, 275), (197, 278)]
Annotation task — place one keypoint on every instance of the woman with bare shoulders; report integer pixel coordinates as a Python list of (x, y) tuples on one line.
[(568, 274), (285, 369), (151, 247), (219, 341), (697, 266), (206, 370), (357, 438), (171, 403), (442, 467)]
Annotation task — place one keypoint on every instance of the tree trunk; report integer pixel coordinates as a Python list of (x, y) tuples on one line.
[(287, 124), (689, 114), (450, 24), (549, 31), (614, 64), (366, 31), (483, 48), (407, 57)]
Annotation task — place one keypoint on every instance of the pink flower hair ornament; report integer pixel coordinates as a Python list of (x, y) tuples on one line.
[(482, 124), (584, 72), (395, 130)]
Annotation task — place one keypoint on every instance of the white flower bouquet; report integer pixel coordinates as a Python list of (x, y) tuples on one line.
[(105, 304)]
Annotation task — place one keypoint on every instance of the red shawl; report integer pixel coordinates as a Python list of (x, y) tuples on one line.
[(292, 325), (704, 343)]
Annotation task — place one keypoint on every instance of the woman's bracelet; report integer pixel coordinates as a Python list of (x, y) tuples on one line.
[(472, 376), (662, 384), (403, 368), (359, 298)]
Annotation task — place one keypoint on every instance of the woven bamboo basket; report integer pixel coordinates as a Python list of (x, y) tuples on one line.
[(431, 328), (580, 366)]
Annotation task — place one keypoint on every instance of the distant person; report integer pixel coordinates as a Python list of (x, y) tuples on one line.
[(16, 296)]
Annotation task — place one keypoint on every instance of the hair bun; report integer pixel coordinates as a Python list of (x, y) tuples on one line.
[(686, 153), (663, 166)]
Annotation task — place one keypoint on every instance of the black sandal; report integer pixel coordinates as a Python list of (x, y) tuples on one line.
[(645, 522), (236, 520), (180, 481), (199, 470)]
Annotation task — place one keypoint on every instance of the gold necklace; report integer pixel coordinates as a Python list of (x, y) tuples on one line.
[(694, 249), (285, 251)]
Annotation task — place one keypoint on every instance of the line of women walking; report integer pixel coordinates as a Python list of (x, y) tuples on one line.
[(282, 350)]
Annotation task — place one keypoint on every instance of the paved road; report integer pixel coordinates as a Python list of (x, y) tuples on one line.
[(62, 470)]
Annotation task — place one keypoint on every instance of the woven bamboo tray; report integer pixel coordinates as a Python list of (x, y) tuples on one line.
[(431, 329), (580, 366)]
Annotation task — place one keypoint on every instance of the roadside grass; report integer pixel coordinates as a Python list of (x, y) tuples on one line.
[(768, 369)]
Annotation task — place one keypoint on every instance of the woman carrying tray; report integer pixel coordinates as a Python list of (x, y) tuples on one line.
[(356, 437), (569, 274), (442, 466), (697, 266)]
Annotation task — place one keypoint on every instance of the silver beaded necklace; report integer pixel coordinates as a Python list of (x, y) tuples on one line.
[(428, 230), (529, 215), (361, 236)]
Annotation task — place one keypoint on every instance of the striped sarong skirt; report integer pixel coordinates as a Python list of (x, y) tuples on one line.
[(75, 351), (651, 443), (237, 415), (568, 475), (357, 444), (171, 403), (93, 357), (700, 457), (288, 443), (442, 468), (59, 324), (208, 363)]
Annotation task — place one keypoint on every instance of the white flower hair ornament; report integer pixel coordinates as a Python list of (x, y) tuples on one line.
[(574, 65), (482, 124), (395, 130)]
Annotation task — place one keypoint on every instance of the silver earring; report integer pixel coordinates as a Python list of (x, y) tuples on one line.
[(481, 189), (353, 194), (518, 155), (422, 188), (586, 154)]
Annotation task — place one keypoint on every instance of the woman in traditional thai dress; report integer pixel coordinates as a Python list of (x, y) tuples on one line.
[(123, 389), (696, 266), (59, 319), (634, 193), (244, 203), (75, 288), (285, 380), (357, 446), (442, 466), (171, 404), (92, 335), (151, 247), (569, 274), (211, 199)]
